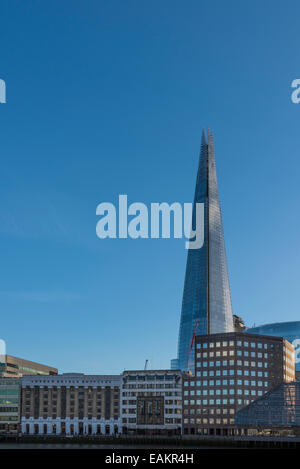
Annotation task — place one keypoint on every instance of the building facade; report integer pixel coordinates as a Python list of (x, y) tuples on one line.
[(278, 409), (289, 330), (206, 304), (151, 402), (232, 370), (10, 396), (71, 404), (17, 367), (11, 371)]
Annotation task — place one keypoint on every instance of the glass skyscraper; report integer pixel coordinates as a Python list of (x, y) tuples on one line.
[(206, 304)]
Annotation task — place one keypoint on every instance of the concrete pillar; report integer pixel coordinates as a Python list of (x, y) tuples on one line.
[(58, 414), (41, 395), (76, 403), (31, 401), (94, 408), (68, 392)]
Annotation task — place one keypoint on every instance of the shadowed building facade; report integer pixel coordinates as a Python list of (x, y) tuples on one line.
[(206, 300)]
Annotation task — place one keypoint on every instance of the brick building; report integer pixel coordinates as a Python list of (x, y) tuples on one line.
[(71, 404), (231, 371)]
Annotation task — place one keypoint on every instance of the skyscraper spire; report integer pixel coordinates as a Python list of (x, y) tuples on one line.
[(206, 301)]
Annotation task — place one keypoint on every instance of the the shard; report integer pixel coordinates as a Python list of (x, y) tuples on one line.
[(206, 304)]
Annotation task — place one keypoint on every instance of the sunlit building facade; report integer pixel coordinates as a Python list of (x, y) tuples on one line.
[(231, 371), (71, 404), (151, 402), (17, 367)]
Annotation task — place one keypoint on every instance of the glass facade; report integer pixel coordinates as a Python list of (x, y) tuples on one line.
[(279, 407), (9, 405), (206, 295), (289, 330)]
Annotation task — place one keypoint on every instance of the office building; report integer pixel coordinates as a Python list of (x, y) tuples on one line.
[(232, 370), (151, 402), (9, 405), (17, 367), (71, 404), (206, 304)]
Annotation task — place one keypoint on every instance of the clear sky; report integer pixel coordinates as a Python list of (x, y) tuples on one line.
[(110, 97)]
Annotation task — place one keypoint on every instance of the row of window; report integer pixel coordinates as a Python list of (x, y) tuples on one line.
[(152, 394), (151, 386), (226, 382), (224, 392), (167, 402), (211, 421), (232, 343), (46, 415), (210, 411), (226, 372), (167, 411), (150, 377), (168, 420), (219, 363), (232, 353), (189, 402)]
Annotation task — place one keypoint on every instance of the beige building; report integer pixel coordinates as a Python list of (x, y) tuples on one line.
[(71, 404), (16, 367), (151, 402)]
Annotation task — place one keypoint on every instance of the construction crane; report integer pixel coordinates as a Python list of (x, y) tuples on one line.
[(146, 364), (191, 345)]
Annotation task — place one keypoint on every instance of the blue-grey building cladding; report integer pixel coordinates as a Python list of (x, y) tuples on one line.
[(289, 330), (206, 295)]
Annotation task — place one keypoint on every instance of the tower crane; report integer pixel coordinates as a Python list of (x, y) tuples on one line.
[(191, 345)]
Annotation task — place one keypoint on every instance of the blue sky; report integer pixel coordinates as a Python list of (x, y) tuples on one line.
[(107, 98)]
